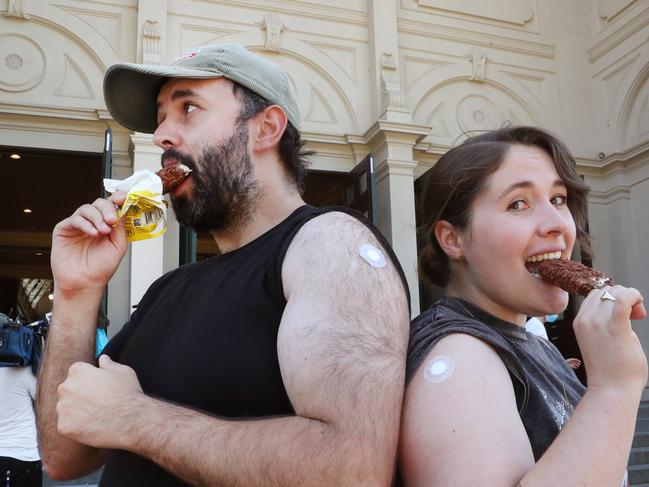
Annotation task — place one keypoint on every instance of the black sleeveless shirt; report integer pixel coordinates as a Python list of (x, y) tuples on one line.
[(205, 336)]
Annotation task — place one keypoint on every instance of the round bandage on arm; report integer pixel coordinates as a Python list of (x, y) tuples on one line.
[(438, 369), (372, 255)]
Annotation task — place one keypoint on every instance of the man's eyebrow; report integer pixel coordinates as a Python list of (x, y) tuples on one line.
[(186, 93), (527, 184)]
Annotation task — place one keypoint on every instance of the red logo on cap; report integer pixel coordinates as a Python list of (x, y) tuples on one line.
[(188, 54)]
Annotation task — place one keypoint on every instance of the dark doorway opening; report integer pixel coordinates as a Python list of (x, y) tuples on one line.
[(40, 188)]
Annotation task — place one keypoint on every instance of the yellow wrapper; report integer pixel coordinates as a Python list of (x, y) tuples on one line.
[(144, 210)]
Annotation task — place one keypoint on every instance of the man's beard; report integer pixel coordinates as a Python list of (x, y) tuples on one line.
[(224, 192)]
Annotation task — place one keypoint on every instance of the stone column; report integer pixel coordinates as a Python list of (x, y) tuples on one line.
[(392, 146), (392, 138)]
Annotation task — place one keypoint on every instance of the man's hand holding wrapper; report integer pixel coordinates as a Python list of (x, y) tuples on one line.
[(87, 247)]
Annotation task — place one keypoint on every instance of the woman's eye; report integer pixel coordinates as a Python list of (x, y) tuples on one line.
[(518, 205), (189, 108), (559, 200)]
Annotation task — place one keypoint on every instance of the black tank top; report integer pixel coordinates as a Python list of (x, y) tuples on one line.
[(205, 336)]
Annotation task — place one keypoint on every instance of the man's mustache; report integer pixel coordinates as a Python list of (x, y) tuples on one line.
[(179, 157)]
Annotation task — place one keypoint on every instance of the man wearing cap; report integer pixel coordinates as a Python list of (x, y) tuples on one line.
[(279, 362)]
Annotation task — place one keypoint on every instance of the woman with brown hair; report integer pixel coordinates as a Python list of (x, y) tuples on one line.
[(487, 403)]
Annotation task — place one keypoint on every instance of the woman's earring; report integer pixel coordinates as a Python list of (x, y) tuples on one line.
[(457, 258)]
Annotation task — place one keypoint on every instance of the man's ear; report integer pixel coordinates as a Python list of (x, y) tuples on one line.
[(267, 128), (450, 239)]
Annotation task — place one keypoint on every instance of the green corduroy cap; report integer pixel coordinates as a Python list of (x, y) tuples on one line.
[(131, 90)]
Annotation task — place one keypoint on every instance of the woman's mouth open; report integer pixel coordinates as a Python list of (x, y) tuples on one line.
[(532, 262)]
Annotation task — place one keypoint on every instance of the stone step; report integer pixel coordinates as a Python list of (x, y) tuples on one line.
[(640, 439), (642, 424), (639, 456), (643, 411), (638, 474)]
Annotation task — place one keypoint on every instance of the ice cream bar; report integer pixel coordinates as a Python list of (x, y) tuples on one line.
[(172, 176), (571, 276)]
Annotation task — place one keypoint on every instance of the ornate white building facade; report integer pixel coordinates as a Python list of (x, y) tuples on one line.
[(401, 79)]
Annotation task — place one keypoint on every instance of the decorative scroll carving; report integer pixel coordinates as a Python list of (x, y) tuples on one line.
[(274, 27), (151, 42), (16, 8), (390, 84), (478, 60)]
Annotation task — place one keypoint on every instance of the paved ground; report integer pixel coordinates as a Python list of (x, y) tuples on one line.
[(87, 481)]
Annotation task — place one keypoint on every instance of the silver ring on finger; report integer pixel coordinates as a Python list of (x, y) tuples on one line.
[(607, 296)]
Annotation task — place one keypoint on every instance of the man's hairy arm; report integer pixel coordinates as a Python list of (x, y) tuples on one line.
[(341, 345), (71, 339)]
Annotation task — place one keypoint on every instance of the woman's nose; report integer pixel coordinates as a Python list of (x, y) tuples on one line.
[(555, 221)]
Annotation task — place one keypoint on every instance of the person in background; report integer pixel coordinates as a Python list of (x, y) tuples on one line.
[(535, 325), (487, 403), (20, 462)]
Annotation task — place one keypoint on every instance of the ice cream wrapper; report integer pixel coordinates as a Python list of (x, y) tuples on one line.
[(144, 210)]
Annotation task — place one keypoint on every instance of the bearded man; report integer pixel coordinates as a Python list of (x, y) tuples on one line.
[(278, 362)]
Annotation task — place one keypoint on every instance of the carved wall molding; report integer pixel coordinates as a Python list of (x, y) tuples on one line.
[(273, 25), (22, 63), (608, 9), (616, 35), (614, 77), (323, 11), (416, 67), (108, 25), (633, 125), (456, 107), (75, 83), (320, 110), (437, 30), (478, 112), (151, 42), (330, 98), (534, 84), (16, 9), (194, 34), (478, 61), (512, 11), (392, 96), (344, 57), (610, 196)]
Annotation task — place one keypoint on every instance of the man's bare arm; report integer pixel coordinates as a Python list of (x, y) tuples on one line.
[(71, 339), (87, 247), (342, 346)]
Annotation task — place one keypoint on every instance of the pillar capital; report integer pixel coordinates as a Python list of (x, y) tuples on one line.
[(392, 144)]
